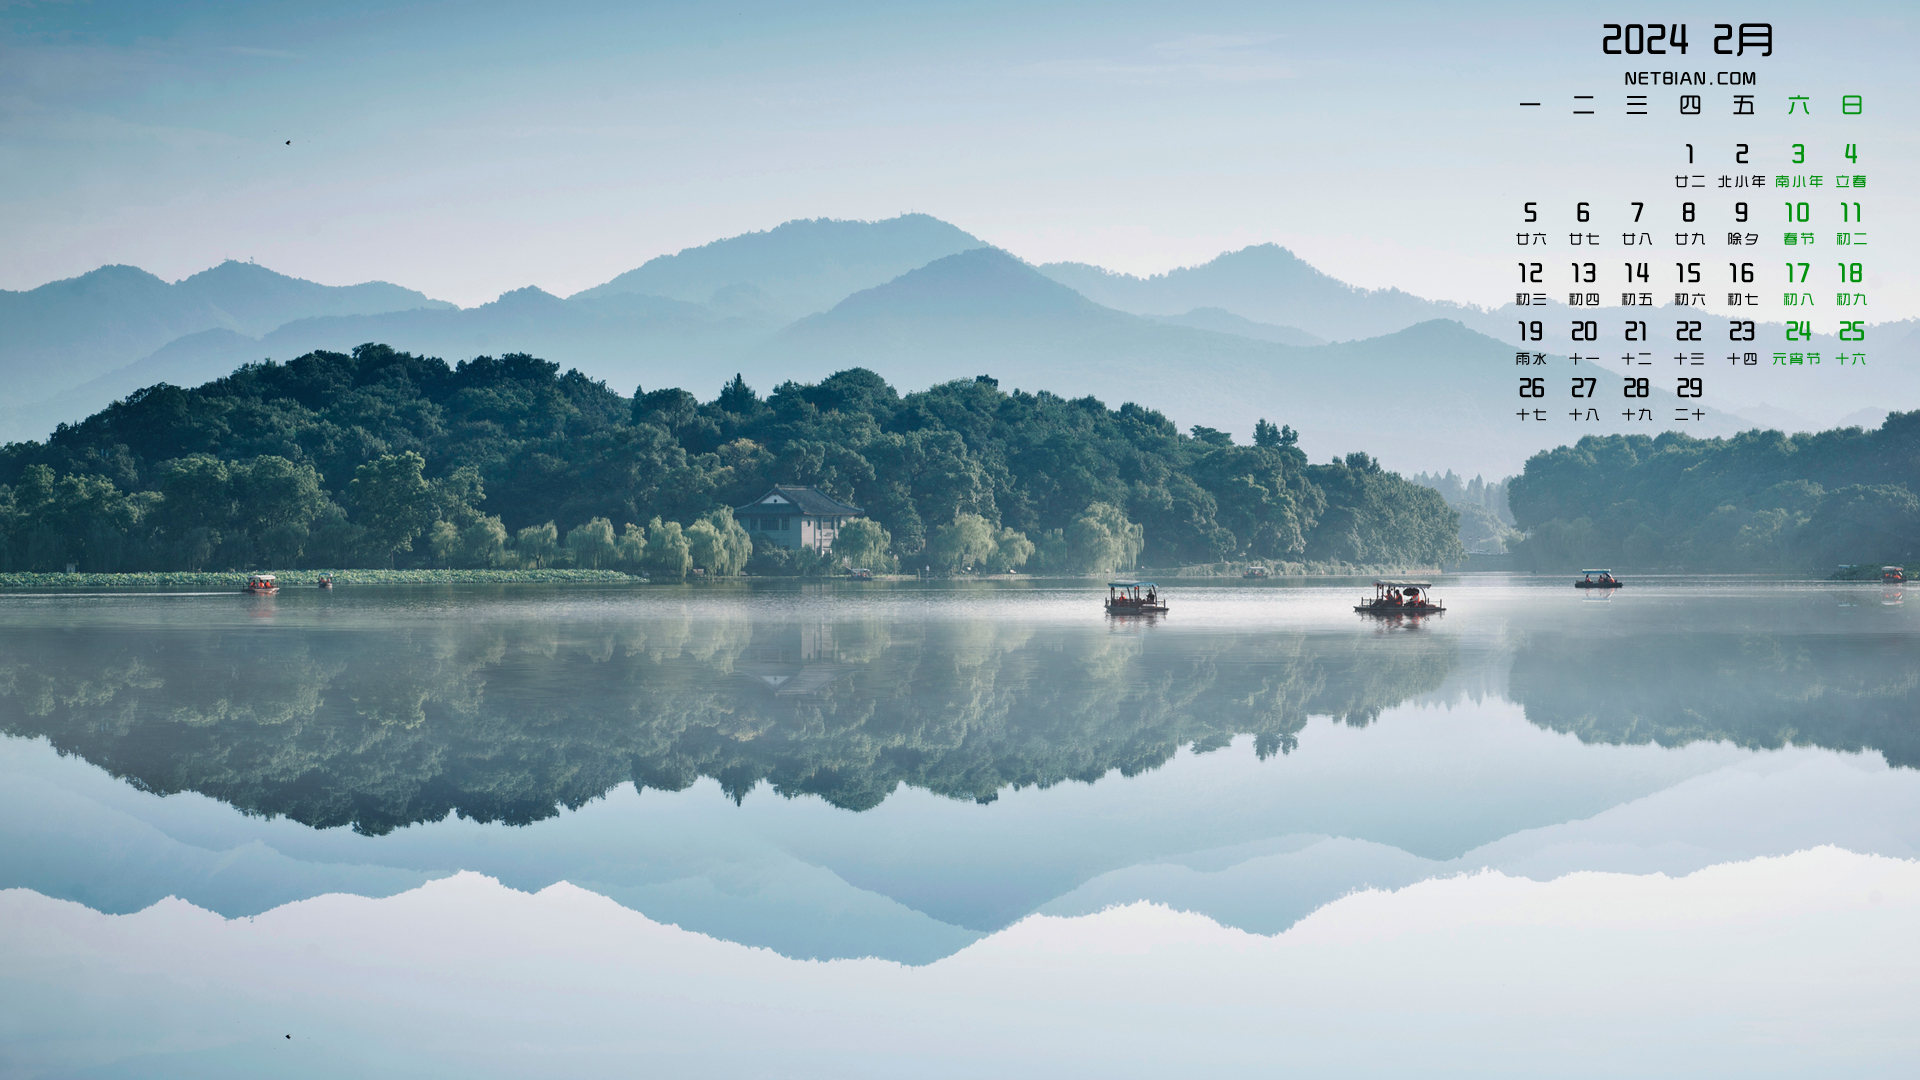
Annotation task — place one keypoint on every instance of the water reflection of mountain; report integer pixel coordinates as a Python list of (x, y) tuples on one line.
[(507, 721), (1850, 692)]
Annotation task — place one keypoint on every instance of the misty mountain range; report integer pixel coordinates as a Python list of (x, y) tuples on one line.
[(1253, 333), (64, 334)]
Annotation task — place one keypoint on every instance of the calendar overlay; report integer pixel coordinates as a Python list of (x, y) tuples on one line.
[(1763, 215)]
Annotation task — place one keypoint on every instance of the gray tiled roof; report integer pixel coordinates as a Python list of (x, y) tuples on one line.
[(804, 500)]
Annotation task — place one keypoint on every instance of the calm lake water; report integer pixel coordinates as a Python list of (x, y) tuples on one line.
[(896, 770)]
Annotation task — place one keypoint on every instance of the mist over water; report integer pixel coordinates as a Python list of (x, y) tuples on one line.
[(897, 769), (573, 806)]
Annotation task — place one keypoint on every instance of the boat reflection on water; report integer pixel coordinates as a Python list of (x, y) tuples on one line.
[(1401, 621)]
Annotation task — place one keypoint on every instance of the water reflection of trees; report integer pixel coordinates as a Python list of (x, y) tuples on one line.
[(1763, 691), (508, 721)]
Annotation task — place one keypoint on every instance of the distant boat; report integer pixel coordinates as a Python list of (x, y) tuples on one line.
[(860, 573), (1255, 572), (1893, 575), (1393, 598), (261, 585), (1134, 598), (1606, 580), (326, 581)]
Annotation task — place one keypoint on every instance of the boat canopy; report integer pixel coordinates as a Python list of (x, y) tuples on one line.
[(1403, 584), (1596, 571), (259, 577), (1901, 569), (1132, 585)]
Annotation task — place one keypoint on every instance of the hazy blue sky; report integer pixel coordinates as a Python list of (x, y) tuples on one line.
[(466, 149)]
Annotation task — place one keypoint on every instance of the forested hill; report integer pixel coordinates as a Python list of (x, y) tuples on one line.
[(382, 457), (1759, 500)]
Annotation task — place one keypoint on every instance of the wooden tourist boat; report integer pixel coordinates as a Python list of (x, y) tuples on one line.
[(860, 573), (1893, 575), (326, 581), (1255, 572), (1606, 580), (261, 585), (1392, 598), (1134, 598)]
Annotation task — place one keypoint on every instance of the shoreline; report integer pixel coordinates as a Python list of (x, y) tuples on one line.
[(310, 578)]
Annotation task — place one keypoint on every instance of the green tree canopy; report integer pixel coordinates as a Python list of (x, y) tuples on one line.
[(966, 541), (537, 545), (1757, 500), (668, 554), (397, 443), (394, 502), (1102, 540), (863, 543), (593, 545)]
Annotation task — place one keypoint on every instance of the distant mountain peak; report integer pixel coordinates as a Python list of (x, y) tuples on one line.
[(1438, 330), (799, 266), (231, 268), (1265, 283), (1264, 255), (529, 296), (67, 333), (112, 275), (234, 273), (1268, 255), (982, 281)]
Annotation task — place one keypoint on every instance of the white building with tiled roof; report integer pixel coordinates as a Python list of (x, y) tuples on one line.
[(796, 517)]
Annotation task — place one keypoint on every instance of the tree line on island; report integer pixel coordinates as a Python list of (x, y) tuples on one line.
[(1760, 500), (382, 458)]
